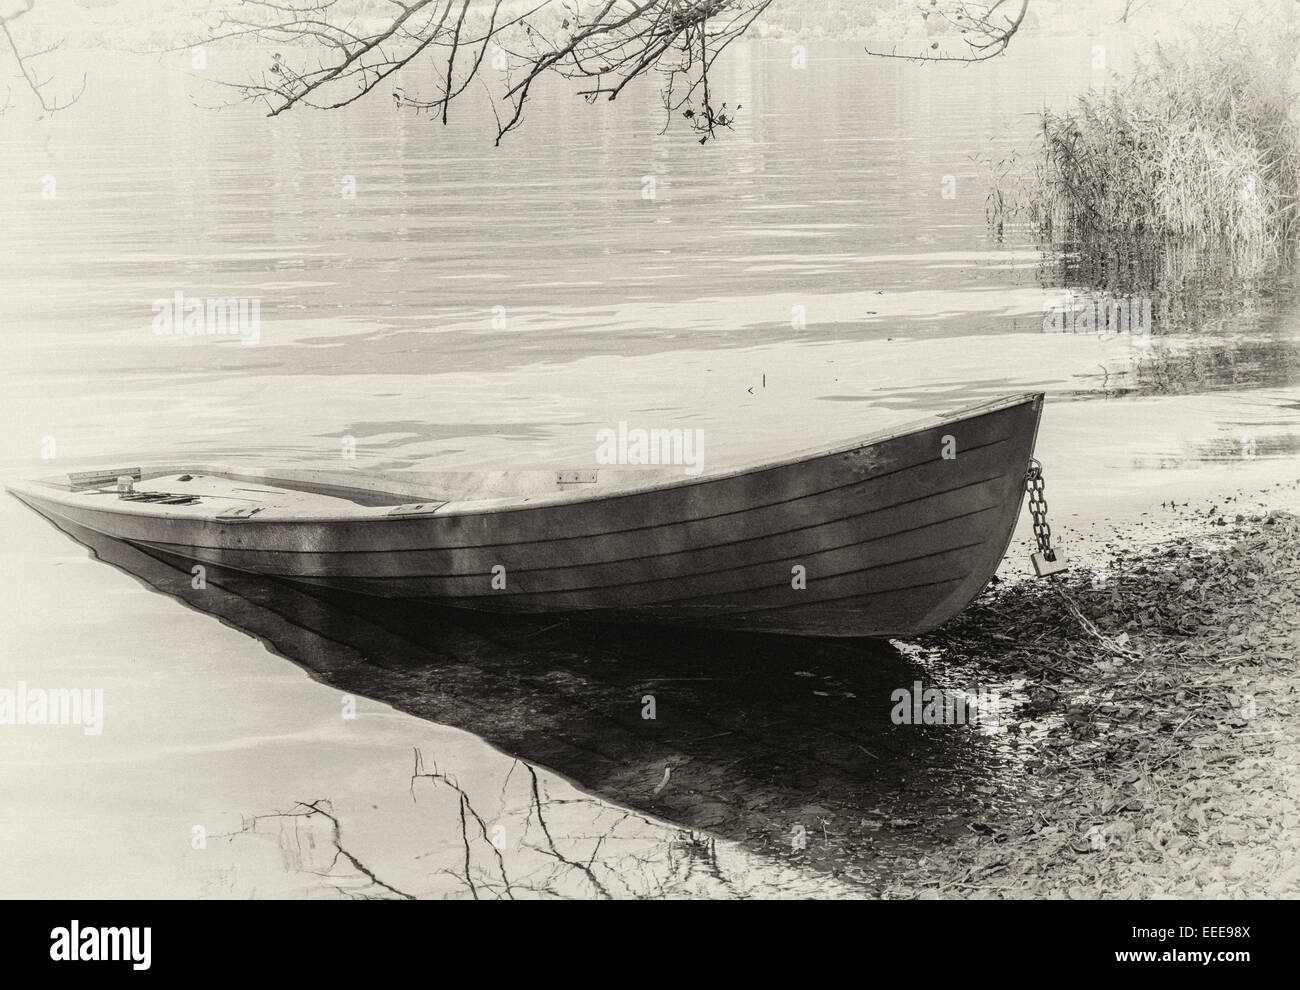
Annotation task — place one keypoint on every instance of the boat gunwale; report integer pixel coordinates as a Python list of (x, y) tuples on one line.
[(40, 488)]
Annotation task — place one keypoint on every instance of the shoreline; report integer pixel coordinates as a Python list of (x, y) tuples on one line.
[(1167, 684), (786, 735)]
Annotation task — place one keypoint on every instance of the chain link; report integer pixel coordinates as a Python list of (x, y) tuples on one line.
[(1038, 509)]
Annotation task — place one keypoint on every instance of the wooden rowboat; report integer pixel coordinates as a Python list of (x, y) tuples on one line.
[(893, 534)]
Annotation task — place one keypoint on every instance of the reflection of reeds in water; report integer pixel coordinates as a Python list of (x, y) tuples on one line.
[(1179, 274), (1221, 318), (1165, 370)]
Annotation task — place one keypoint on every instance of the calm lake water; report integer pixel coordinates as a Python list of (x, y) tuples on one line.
[(798, 281)]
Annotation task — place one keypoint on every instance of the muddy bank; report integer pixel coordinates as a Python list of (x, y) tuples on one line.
[(1163, 687)]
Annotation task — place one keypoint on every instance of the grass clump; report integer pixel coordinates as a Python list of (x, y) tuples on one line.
[(1200, 141)]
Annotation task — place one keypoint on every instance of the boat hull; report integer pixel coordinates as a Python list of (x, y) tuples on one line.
[(892, 535)]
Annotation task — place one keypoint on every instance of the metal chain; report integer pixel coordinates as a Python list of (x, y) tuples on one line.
[(1038, 508)]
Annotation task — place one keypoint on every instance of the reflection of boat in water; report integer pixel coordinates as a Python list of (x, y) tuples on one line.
[(758, 729), (893, 534)]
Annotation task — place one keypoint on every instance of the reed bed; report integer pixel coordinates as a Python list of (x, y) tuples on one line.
[(1201, 141)]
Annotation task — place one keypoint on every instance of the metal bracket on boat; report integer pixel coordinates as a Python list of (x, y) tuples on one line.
[(575, 477), (416, 508), (1047, 560), (238, 512)]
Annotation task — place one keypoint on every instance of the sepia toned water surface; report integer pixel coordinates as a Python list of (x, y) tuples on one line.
[(799, 281)]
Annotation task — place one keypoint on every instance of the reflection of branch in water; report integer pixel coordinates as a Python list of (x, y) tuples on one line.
[(421, 774), (553, 881), (536, 805), (323, 809), (688, 852), (587, 848)]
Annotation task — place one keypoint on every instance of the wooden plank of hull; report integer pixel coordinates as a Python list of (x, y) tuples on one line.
[(881, 505), (696, 548), (669, 578), (894, 539)]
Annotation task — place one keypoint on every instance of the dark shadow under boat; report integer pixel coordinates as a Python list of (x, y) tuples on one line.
[(764, 735)]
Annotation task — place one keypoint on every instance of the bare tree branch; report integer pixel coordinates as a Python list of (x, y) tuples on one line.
[(24, 59), (324, 60), (990, 29)]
